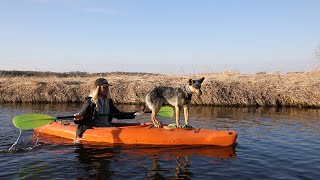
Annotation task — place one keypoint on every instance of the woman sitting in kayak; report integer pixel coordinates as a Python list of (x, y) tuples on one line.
[(98, 109)]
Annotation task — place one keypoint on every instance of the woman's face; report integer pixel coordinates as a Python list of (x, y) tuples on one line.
[(104, 89)]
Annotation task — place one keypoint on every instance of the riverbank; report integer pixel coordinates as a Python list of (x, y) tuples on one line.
[(299, 89)]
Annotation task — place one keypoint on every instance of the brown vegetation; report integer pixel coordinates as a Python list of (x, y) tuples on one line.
[(300, 89)]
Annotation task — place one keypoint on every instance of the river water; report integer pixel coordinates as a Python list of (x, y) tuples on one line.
[(272, 144)]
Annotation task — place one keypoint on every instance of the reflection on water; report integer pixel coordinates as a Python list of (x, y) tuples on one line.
[(148, 159), (272, 144), (98, 160)]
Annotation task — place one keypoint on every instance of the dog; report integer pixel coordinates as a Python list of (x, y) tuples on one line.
[(179, 97)]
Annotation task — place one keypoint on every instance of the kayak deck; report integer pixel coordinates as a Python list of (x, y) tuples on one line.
[(143, 133)]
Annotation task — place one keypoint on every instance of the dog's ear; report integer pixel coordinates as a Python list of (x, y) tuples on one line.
[(190, 82), (201, 80)]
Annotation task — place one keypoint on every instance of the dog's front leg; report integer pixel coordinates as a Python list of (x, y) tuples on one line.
[(154, 120), (177, 116), (186, 114)]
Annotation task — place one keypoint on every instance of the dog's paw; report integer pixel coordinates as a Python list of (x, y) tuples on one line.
[(186, 126), (158, 125), (172, 125)]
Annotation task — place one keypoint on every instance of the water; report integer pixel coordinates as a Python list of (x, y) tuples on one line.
[(272, 144)]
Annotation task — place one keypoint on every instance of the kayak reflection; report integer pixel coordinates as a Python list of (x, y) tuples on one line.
[(150, 150), (178, 151), (152, 162), (108, 160)]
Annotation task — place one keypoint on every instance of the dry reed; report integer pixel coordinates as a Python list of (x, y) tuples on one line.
[(300, 89)]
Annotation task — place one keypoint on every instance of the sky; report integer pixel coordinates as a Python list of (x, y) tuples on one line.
[(164, 36)]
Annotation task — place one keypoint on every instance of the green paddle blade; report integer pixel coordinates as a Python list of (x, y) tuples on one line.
[(31, 121), (166, 111)]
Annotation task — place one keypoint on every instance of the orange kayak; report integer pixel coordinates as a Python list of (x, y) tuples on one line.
[(143, 133)]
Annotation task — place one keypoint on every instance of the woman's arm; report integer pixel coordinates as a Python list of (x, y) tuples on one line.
[(118, 114), (86, 109)]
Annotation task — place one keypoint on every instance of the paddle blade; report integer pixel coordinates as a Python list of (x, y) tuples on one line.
[(31, 121), (166, 111)]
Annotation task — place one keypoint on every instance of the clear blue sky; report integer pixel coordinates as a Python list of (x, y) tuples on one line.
[(164, 36)]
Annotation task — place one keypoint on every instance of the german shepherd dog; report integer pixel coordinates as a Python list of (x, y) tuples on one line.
[(179, 97)]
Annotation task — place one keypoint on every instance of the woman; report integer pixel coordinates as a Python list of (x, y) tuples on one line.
[(98, 109)]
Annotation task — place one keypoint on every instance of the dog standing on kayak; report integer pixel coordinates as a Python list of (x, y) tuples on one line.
[(179, 97)]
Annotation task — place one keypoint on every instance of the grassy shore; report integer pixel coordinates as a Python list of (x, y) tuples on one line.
[(300, 89)]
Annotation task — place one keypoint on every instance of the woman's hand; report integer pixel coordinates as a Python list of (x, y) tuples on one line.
[(78, 117)]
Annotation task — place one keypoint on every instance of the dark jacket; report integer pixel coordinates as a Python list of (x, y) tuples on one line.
[(89, 109)]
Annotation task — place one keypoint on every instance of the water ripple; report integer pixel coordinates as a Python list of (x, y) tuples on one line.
[(271, 144)]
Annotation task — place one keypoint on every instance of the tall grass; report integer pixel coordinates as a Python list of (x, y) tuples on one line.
[(300, 89)]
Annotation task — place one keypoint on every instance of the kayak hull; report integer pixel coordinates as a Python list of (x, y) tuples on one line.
[(145, 134)]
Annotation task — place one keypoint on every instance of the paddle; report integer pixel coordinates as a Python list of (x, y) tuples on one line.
[(31, 121)]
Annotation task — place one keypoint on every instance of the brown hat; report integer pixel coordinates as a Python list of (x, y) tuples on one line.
[(101, 82)]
